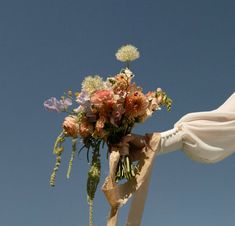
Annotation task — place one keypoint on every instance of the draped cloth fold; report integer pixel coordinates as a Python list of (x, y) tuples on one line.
[(118, 194), (206, 137)]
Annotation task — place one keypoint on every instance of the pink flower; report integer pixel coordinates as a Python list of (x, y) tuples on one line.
[(103, 100), (117, 114), (99, 128)]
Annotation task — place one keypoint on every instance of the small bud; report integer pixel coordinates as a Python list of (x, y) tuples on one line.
[(70, 93), (159, 90)]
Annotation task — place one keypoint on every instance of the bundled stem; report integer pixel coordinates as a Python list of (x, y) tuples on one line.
[(91, 212), (125, 169)]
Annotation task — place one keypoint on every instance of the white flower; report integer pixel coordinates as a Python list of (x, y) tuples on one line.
[(127, 53), (78, 109), (92, 83), (128, 73)]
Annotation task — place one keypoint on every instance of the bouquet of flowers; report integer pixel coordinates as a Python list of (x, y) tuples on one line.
[(105, 111)]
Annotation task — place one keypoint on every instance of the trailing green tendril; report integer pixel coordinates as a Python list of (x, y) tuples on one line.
[(59, 140), (74, 149), (58, 149)]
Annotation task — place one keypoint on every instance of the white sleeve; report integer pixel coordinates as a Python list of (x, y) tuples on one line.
[(204, 136)]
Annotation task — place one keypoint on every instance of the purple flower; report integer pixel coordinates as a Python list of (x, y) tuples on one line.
[(66, 102), (55, 105), (84, 99)]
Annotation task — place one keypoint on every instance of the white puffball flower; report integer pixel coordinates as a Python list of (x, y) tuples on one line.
[(92, 83), (127, 53)]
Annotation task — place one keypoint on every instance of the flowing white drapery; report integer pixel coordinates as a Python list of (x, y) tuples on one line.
[(206, 137)]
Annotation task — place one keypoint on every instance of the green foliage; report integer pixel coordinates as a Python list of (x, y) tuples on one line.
[(74, 149), (58, 144), (58, 149), (166, 101)]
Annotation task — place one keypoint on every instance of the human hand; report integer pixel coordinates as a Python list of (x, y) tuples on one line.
[(135, 143)]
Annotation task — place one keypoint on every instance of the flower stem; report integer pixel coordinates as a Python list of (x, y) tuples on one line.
[(91, 213)]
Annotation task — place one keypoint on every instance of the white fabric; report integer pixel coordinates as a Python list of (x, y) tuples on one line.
[(206, 137)]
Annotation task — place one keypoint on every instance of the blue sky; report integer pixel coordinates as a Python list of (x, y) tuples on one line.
[(47, 47)]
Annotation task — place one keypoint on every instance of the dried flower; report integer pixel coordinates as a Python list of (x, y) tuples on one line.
[(70, 126), (127, 53)]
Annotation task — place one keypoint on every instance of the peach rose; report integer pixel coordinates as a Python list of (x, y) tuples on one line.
[(70, 126), (85, 128), (103, 100), (100, 123)]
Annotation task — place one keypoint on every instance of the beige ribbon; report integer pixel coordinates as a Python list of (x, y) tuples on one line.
[(118, 195)]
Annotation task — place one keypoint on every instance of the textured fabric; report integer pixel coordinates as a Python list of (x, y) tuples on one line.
[(206, 137)]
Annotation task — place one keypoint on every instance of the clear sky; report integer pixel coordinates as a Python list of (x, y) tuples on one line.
[(47, 47)]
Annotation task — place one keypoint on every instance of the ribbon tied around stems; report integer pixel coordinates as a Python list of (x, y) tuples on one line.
[(118, 194)]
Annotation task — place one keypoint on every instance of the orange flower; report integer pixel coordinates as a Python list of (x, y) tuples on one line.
[(122, 83), (117, 114), (85, 128), (136, 104), (121, 77), (103, 101), (70, 126), (100, 123)]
